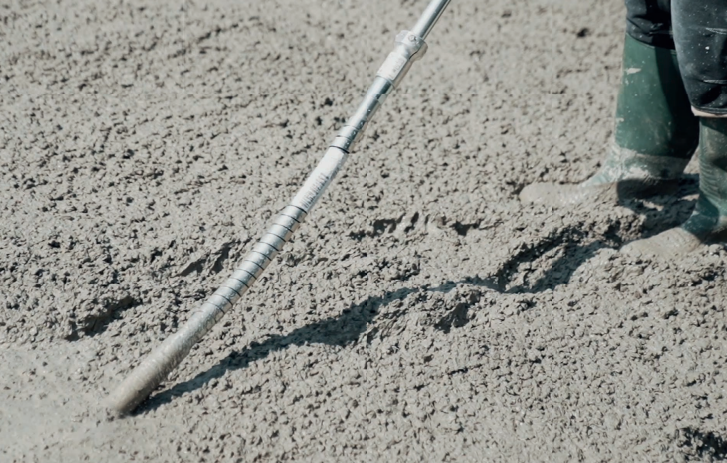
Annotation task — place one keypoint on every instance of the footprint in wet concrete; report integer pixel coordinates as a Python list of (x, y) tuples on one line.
[(97, 322), (458, 316), (560, 253)]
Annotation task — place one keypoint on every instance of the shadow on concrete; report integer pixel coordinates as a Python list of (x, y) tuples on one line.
[(353, 321), (335, 331), (707, 446)]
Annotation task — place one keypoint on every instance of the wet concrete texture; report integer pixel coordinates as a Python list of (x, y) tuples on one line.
[(422, 312)]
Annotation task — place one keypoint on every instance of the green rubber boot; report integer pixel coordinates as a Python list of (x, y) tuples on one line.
[(708, 222), (655, 135)]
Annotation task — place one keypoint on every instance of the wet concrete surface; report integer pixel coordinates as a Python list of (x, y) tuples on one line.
[(421, 313)]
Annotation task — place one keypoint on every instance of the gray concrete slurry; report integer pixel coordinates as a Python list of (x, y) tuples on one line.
[(421, 314)]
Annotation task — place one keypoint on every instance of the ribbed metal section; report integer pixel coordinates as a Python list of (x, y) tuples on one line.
[(152, 371)]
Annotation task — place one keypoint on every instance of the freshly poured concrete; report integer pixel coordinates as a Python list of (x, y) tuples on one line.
[(422, 312)]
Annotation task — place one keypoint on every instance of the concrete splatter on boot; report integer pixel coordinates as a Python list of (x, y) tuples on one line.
[(655, 135), (708, 222)]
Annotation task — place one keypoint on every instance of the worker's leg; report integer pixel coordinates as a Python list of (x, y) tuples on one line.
[(700, 33), (655, 131)]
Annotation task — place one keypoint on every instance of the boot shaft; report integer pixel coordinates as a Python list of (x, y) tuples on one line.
[(713, 166), (653, 113)]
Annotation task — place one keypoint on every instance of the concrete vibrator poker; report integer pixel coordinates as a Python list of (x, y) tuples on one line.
[(410, 46)]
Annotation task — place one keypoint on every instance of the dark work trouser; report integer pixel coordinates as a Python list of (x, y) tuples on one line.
[(697, 29)]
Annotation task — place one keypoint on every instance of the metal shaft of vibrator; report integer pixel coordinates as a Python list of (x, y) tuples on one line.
[(430, 17), (410, 46)]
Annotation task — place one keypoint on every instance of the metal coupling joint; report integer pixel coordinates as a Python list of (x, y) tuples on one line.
[(409, 48)]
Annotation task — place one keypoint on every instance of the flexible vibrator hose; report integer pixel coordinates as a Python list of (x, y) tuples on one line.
[(410, 46)]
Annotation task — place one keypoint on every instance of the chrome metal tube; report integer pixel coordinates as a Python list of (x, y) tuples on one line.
[(430, 17), (410, 46)]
